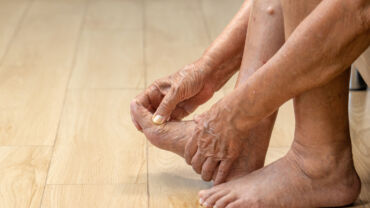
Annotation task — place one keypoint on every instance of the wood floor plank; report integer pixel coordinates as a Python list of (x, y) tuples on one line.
[(217, 16), (11, 13), (110, 53), (97, 142), (359, 111), (22, 175), (95, 196), (172, 183), (362, 63), (35, 71), (174, 36), (47, 36)]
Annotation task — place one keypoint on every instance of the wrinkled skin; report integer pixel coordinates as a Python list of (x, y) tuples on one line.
[(173, 135), (215, 141), (179, 94), (314, 60)]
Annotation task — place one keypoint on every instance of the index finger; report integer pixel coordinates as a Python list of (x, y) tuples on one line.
[(223, 171)]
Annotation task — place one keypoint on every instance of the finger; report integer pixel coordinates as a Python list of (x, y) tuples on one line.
[(190, 150), (209, 168), (143, 100), (215, 173), (155, 96), (223, 171), (141, 115), (179, 113), (188, 106), (138, 127), (192, 103), (165, 108), (197, 162), (132, 113)]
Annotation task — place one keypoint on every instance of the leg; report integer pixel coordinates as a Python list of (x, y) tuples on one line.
[(265, 36), (318, 171)]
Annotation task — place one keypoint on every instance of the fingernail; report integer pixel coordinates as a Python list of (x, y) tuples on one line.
[(205, 204), (158, 119), (201, 201)]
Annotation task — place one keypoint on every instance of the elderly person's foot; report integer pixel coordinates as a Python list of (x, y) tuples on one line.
[(303, 178), (173, 136)]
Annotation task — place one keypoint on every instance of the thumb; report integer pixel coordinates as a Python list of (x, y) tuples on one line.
[(165, 108)]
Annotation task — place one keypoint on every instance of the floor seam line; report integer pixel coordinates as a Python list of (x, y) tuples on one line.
[(79, 35), (145, 86)]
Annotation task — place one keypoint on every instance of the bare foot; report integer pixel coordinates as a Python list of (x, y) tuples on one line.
[(173, 136), (293, 181)]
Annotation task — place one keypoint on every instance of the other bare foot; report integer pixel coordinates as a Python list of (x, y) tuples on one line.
[(293, 181)]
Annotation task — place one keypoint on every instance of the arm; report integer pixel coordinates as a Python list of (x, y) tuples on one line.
[(181, 93), (320, 48), (323, 46), (224, 55)]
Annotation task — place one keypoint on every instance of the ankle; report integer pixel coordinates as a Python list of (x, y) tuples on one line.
[(318, 162), (335, 169)]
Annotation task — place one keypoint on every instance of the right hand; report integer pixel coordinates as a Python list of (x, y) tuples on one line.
[(179, 94)]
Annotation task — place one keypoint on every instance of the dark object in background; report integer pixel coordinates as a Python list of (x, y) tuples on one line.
[(357, 83)]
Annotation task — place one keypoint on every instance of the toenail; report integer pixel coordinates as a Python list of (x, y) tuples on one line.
[(158, 119)]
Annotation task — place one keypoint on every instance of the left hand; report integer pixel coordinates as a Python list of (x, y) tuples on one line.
[(215, 142)]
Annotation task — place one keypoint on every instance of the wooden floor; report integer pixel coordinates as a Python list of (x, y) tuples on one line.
[(68, 70)]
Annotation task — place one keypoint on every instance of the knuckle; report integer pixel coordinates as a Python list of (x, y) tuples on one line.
[(206, 177)]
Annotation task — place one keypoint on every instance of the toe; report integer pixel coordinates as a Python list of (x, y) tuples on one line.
[(225, 200), (235, 204), (210, 201), (205, 194)]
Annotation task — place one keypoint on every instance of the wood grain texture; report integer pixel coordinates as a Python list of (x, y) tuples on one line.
[(175, 35), (92, 196), (22, 175), (359, 111), (172, 183), (105, 59), (11, 13), (47, 36), (97, 143), (34, 73)]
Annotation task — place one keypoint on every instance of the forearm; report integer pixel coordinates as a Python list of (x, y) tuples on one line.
[(223, 57), (322, 46)]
